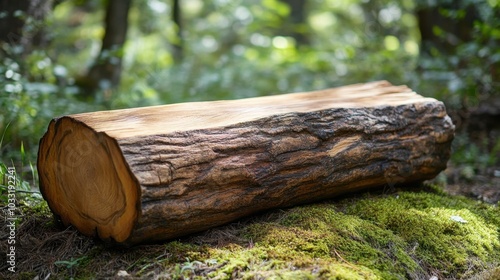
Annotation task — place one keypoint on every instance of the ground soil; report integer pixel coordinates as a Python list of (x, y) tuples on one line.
[(485, 187)]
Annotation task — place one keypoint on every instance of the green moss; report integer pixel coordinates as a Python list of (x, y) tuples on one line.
[(320, 231), (275, 262), (409, 236), (399, 237), (179, 251), (448, 234)]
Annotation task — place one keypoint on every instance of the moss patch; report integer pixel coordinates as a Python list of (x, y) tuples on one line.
[(408, 235), (450, 235)]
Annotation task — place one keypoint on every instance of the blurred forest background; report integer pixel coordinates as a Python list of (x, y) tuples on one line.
[(65, 57)]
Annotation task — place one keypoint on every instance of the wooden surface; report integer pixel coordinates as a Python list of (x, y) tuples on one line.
[(155, 173)]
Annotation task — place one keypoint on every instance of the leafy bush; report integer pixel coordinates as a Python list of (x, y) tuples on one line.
[(466, 72)]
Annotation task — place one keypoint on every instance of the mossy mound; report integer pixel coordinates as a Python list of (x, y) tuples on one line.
[(411, 235), (408, 235)]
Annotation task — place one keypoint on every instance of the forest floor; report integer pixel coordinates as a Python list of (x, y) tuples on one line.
[(411, 232), (485, 187), (480, 128)]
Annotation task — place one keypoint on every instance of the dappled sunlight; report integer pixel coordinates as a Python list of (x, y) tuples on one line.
[(69, 57)]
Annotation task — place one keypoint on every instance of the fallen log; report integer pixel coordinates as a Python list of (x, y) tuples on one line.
[(155, 173)]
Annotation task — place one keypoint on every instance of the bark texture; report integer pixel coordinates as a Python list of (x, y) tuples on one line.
[(155, 173)]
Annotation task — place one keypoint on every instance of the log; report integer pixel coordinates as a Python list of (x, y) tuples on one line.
[(156, 173)]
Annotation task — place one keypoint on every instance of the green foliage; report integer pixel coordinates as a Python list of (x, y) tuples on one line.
[(472, 158), (236, 49), (32, 98), (232, 50), (12, 182), (465, 73), (72, 264)]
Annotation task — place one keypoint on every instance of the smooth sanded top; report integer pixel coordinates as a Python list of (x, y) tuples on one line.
[(198, 115)]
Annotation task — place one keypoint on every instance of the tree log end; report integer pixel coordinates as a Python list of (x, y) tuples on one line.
[(86, 180)]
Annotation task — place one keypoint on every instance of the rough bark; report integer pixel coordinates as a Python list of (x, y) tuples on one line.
[(155, 173)]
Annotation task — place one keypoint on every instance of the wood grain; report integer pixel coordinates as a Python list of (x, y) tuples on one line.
[(155, 173)]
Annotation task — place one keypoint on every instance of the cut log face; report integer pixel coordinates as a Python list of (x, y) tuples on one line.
[(155, 173)]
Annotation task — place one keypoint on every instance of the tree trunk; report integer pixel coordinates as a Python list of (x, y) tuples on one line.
[(155, 173), (16, 15), (178, 46), (445, 33), (106, 71), (11, 24), (297, 26)]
